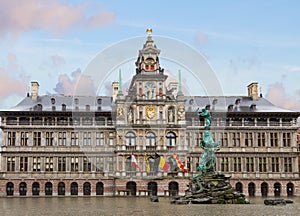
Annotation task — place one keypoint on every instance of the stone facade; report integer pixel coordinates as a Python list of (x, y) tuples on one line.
[(73, 145)]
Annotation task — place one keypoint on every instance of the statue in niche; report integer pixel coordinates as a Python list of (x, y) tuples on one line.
[(150, 91), (130, 116), (171, 115)]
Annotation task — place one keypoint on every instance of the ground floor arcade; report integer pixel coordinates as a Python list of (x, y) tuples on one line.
[(136, 187)]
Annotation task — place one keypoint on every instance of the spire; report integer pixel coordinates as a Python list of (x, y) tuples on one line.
[(179, 82), (120, 83)]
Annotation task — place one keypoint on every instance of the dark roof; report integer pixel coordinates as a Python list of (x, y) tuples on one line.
[(217, 103)]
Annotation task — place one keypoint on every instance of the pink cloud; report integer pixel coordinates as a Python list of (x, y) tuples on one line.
[(277, 95), (200, 38), (77, 84), (50, 15), (10, 86)]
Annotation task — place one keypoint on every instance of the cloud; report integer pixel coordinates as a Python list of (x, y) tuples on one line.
[(292, 68), (200, 38), (12, 79), (277, 95), (51, 15), (77, 84)]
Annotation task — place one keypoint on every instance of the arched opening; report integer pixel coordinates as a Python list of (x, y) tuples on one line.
[(290, 189), (173, 188), (48, 189), (251, 189), (61, 189), (171, 139), (277, 189), (35, 189), (74, 188), (152, 187), (150, 140), (239, 187), (23, 189), (130, 138), (264, 189), (10, 189), (87, 188), (132, 187), (99, 188)]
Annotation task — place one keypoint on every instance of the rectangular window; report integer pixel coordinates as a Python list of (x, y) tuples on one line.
[(99, 164), (74, 138), (49, 164), (249, 164), (236, 139), (261, 139), (23, 164), (262, 164), (49, 138), (224, 164), (286, 139), (274, 139), (11, 138), (36, 138), (111, 138), (237, 164), (36, 164), (10, 164), (24, 138), (110, 164), (86, 138), (62, 138), (275, 164), (224, 139), (99, 138), (248, 139), (74, 164), (87, 165), (287, 164), (61, 164)]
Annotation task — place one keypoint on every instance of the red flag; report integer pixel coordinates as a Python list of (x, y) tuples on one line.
[(163, 164), (134, 162), (179, 164)]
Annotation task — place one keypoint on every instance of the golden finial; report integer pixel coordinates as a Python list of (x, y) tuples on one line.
[(149, 31)]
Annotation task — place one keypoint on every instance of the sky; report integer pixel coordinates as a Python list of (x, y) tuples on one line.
[(53, 41)]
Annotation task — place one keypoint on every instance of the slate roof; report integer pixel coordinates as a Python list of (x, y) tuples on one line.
[(217, 103)]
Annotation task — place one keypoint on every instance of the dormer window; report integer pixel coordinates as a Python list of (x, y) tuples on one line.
[(207, 107), (87, 107), (237, 101), (52, 100), (63, 107), (230, 107), (253, 107), (76, 101)]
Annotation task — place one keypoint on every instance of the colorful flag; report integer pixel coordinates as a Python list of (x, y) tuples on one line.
[(179, 164), (134, 162), (163, 164), (147, 163)]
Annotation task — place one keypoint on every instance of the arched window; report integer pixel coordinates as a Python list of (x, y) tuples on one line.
[(171, 139), (61, 188), (264, 189), (239, 187), (277, 189), (173, 188), (290, 189), (150, 139), (74, 188), (23, 189), (99, 188), (10, 189), (48, 188), (35, 189), (251, 189), (87, 188), (130, 139), (63, 107)]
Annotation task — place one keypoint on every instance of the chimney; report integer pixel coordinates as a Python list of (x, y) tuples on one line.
[(34, 90), (115, 90), (253, 90)]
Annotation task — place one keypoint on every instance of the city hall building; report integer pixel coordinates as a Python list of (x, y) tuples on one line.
[(60, 145)]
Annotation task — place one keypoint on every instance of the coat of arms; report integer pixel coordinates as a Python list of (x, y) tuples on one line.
[(150, 112)]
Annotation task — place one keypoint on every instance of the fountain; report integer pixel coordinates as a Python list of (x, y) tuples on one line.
[(209, 187)]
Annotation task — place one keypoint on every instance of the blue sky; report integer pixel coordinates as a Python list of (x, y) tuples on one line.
[(243, 41)]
